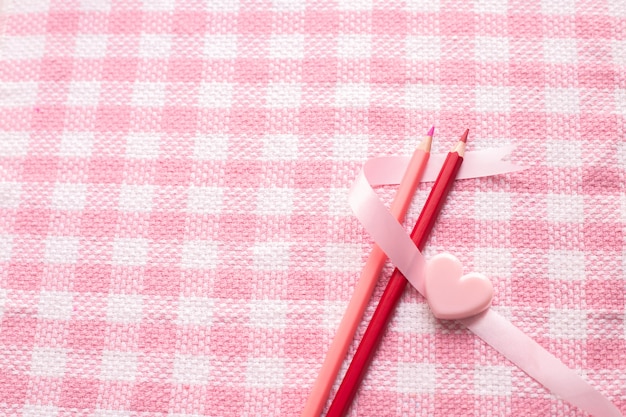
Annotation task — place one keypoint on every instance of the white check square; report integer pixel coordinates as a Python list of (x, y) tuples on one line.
[(192, 370), (423, 48), (568, 324), (415, 318), (124, 308), (130, 251), (618, 49), (159, 5), (155, 45), (270, 256), (423, 5), (215, 95), (560, 50), (18, 94), (84, 93), (222, 6), (265, 372), (350, 147), (287, 46), (333, 312), (199, 254), (568, 208), (493, 262), (274, 201), (48, 362), (620, 101), (211, 147), (33, 410), (566, 265), (352, 95), (347, 257), (23, 47), (148, 94), (195, 310), (136, 198), (6, 246), (289, 5), (55, 305), (110, 413), (69, 196), (617, 8), (354, 46), (10, 192), (424, 97), (95, 5), (142, 145), (280, 147), (29, 6), (564, 153), (491, 49), (420, 378), (90, 46), (268, 314), (206, 200), (283, 95), (562, 100), (61, 249), (338, 202), (561, 7), (355, 4), (76, 144), (14, 144), (490, 6), (492, 206), (493, 99), (220, 46), (493, 380)]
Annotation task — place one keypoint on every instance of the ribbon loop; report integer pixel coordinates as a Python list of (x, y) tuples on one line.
[(494, 329)]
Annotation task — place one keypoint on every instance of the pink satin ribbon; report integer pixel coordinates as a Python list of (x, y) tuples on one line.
[(494, 329)]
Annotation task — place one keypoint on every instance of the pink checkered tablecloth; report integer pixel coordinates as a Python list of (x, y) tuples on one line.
[(175, 237)]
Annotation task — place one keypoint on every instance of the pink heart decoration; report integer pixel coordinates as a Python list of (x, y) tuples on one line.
[(452, 295)]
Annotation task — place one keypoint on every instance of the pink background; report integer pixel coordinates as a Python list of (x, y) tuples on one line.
[(174, 232)]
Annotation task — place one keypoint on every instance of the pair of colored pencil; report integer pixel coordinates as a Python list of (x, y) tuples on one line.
[(393, 291)]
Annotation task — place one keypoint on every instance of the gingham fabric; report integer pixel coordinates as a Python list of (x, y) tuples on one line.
[(175, 237)]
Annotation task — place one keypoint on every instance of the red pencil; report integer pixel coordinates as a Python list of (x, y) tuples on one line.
[(397, 283)]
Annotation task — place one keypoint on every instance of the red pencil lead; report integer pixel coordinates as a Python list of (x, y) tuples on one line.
[(431, 131), (464, 137)]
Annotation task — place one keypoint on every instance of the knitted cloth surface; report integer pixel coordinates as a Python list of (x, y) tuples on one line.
[(175, 237)]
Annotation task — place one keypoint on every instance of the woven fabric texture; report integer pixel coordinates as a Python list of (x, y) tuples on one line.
[(175, 237)]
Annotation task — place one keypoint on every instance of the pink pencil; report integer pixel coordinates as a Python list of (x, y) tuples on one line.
[(365, 286)]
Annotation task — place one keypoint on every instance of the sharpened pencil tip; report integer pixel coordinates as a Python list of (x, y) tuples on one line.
[(431, 131), (464, 137)]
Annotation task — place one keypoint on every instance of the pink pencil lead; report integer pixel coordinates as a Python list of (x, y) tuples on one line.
[(431, 131)]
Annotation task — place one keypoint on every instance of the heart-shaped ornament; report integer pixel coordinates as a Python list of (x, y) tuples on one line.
[(452, 295)]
